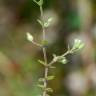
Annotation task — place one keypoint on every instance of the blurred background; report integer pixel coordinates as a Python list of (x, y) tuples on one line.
[(19, 68)]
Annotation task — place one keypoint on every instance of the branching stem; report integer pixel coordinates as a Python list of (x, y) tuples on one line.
[(61, 58), (63, 55)]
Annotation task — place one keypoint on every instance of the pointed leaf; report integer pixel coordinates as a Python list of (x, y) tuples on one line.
[(41, 79), (40, 2), (49, 89), (48, 22), (35, 2), (40, 22), (41, 62), (50, 77), (41, 86), (64, 61), (50, 19)]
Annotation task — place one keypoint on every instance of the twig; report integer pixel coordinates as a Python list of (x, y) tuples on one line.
[(37, 44), (45, 55), (57, 57)]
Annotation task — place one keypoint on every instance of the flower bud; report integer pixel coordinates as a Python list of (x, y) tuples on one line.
[(29, 37), (78, 44)]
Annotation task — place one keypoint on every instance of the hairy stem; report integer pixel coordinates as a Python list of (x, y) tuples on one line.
[(45, 54)]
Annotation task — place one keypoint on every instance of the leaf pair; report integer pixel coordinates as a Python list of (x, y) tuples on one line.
[(43, 87), (45, 24), (48, 78), (40, 2)]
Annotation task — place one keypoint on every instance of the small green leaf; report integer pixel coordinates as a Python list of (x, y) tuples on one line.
[(50, 77), (35, 1), (48, 22), (41, 62), (62, 60), (50, 19), (40, 2), (40, 22), (41, 79), (49, 89), (41, 86), (29, 37)]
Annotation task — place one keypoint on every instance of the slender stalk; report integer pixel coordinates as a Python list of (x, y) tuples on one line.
[(37, 44), (45, 54), (77, 45)]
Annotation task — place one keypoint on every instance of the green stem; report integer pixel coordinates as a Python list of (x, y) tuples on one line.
[(45, 54)]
